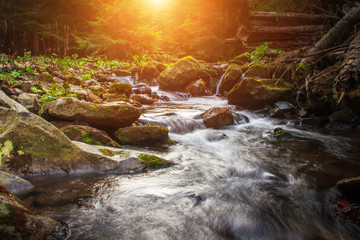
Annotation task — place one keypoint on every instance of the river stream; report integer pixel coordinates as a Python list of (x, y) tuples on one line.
[(236, 182)]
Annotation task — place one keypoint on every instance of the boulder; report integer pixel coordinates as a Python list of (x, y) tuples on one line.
[(217, 117), (29, 101), (260, 71), (17, 221), (232, 76), (108, 116), (16, 185), (121, 73), (152, 162), (151, 135), (197, 88), (256, 93), (142, 98), (34, 146), (89, 135), (121, 88), (142, 88), (281, 134), (349, 188), (179, 75)]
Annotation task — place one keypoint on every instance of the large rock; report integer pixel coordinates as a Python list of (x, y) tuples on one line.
[(17, 221), (217, 117), (349, 188), (176, 77), (197, 88), (89, 135), (142, 98), (232, 76), (15, 184), (256, 93), (108, 116), (34, 146), (150, 135)]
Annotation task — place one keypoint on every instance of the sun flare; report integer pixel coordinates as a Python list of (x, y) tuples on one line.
[(158, 2)]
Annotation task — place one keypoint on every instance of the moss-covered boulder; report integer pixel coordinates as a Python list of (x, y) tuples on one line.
[(179, 75), (256, 93), (121, 88), (16, 185), (281, 134), (232, 76), (197, 88), (89, 135), (34, 146), (152, 162), (107, 116), (260, 71), (217, 117), (242, 58), (143, 135), (17, 221), (98, 90)]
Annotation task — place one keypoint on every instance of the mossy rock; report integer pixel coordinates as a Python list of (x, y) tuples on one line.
[(143, 135), (259, 71), (46, 77), (154, 162), (279, 133), (98, 90), (108, 116), (232, 76), (89, 135), (121, 88), (179, 75), (256, 93), (17, 221), (244, 57), (197, 88)]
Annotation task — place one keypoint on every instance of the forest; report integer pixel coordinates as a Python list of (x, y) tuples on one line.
[(177, 119)]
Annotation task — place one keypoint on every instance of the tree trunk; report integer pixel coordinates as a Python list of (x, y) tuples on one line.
[(334, 35)]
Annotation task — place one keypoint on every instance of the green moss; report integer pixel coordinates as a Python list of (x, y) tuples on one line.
[(122, 139), (106, 152), (84, 134), (88, 141), (154, 162), (281, 133)]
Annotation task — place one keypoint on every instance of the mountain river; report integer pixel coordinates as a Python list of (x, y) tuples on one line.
[(235, 182)]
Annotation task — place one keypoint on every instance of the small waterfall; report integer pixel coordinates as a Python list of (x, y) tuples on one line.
[(218, 85)]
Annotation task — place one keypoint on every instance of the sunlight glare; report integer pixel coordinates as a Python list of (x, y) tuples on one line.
[(157, 2)]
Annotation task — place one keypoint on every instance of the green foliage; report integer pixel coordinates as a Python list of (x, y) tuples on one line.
[(259, 52), (11, 78), (54, 92)]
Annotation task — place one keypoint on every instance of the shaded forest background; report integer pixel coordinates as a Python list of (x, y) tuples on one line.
[(123, 28)]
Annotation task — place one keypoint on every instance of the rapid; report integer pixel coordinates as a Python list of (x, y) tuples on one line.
[(235, 182)]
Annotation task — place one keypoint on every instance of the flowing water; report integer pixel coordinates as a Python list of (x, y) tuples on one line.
[(235, 182)]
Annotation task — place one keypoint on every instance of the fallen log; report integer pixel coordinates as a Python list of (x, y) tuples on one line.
[(278, 33), (335, 35), (289, 19)]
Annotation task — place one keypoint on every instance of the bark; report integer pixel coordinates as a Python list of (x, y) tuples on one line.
[(335, 34), (279, 33), (289, 19)]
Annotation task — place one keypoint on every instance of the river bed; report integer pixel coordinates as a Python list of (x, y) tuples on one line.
[(235, 182)]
